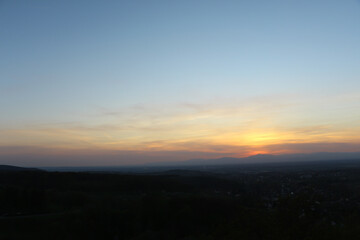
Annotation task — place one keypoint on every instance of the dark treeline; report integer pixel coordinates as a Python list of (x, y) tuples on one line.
[(181, 205)]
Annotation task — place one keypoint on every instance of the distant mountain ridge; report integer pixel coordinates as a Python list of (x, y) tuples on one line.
[(9, 168), (266, 158)]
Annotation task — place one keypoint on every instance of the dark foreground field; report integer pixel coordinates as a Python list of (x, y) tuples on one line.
[(305, 204)]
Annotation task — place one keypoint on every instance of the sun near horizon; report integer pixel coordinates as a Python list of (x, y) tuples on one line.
[(127, 83)]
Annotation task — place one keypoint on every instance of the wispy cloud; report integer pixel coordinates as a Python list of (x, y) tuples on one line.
[(227, 128)]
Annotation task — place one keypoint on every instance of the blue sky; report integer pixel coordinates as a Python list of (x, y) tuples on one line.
[(130, 64)]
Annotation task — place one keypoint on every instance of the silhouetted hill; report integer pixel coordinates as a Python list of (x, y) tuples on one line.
[(9, 168), (295, 203), (182, 172), (267, 158)]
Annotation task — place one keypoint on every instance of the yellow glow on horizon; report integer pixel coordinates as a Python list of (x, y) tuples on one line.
[(231, 131), (259, 138)]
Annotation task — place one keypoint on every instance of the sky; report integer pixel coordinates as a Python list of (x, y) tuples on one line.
[(92, 83)]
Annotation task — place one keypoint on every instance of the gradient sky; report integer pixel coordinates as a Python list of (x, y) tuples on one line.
[(130, 82)]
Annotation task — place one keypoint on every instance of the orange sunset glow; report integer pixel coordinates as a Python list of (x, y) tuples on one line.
[(146, 84)]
